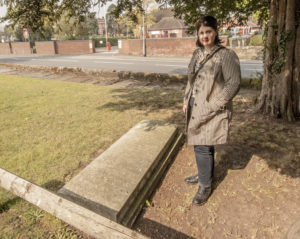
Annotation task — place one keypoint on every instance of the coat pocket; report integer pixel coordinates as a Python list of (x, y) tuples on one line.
[(218, 127)]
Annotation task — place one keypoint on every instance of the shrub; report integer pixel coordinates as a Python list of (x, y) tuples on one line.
[(256, 40), (111, 40)]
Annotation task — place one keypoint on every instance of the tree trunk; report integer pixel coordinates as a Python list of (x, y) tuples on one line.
[(280, 96)]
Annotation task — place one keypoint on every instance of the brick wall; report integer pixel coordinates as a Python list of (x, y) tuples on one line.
[(21, 48), (75, 47), (180, 47), (176, 46), (132, 47), (163, 46), (45, 47), (5, 49)]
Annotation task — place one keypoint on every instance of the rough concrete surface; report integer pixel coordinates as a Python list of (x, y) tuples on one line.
[(110, 184)]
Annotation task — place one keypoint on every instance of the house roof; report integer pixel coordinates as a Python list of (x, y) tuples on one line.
[(169, 23), (161, 13), (249, 23)]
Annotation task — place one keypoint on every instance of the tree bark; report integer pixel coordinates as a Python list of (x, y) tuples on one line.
[(290, 29), (296, 76), (279, 96), (263, 98)]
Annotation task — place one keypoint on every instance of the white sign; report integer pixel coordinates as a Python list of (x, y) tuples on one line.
[(175, 31), (119, 43), (25, 33), (155, 32)]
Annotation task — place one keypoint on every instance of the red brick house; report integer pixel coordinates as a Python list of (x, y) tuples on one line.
[(168, 27)]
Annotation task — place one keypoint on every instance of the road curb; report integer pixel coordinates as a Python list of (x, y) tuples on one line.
[(164, 79), (115, 75)]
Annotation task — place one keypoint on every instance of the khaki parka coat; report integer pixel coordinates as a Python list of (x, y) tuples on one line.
[(217, 82)]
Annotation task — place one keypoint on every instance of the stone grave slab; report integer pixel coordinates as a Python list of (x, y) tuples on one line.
[(117, 183)]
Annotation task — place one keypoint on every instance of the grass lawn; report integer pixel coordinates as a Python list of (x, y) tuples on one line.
[(50, 130)]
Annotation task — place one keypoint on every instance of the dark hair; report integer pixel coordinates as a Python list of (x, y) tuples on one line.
[(207, 21)]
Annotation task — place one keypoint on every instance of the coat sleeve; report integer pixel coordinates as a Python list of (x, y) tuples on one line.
[(190, 73), (232, 78)]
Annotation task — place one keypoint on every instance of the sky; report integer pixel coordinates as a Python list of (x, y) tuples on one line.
[(2, 13), (100, 12)]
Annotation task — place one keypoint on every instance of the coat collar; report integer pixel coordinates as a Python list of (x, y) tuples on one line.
[(211, 51)]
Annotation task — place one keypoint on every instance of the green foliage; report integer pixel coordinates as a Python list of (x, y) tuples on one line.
[(112, 25), (226, 33), (34, 14), (278, 62), (131, 7), (113, 41), (33, 216), (191, 11), (223, 10), (69, 29), (133, 19), (16, 33), (65, 233), (256, 40), (252, 83), (91, 23), (28, 14)]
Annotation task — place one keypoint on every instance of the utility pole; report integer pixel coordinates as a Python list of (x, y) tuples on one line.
[(105, 23), (127, 27), (144, 39)]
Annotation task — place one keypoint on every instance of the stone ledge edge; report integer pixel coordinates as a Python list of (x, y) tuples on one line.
[(112, 74), (118, 76)]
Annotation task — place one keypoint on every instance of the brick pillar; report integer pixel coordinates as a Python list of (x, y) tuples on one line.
[(92, 46)]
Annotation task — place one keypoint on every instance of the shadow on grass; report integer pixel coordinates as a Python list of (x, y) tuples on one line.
[(4, 207), (149, 101), (53, 185), (146, 100), (156, 230)]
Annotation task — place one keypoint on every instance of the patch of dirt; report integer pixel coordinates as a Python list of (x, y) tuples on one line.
[(256, 187)]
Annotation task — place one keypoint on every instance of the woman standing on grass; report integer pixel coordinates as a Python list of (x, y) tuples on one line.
[(214, 77)]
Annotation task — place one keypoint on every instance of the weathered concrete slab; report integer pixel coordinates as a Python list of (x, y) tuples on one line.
[(81, 218), (117, 183)]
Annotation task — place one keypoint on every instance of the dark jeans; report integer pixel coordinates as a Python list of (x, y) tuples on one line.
[(205, 163), (204, 155)]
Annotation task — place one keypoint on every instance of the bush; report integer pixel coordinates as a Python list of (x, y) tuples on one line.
[(256, 40), (252, 83), (111, 40), (226, 33)]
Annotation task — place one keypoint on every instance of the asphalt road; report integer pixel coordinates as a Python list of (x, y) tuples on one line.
[(114, 61)]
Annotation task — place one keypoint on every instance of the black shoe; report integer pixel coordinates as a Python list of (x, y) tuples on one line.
[(202, 195), (191, 179)]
